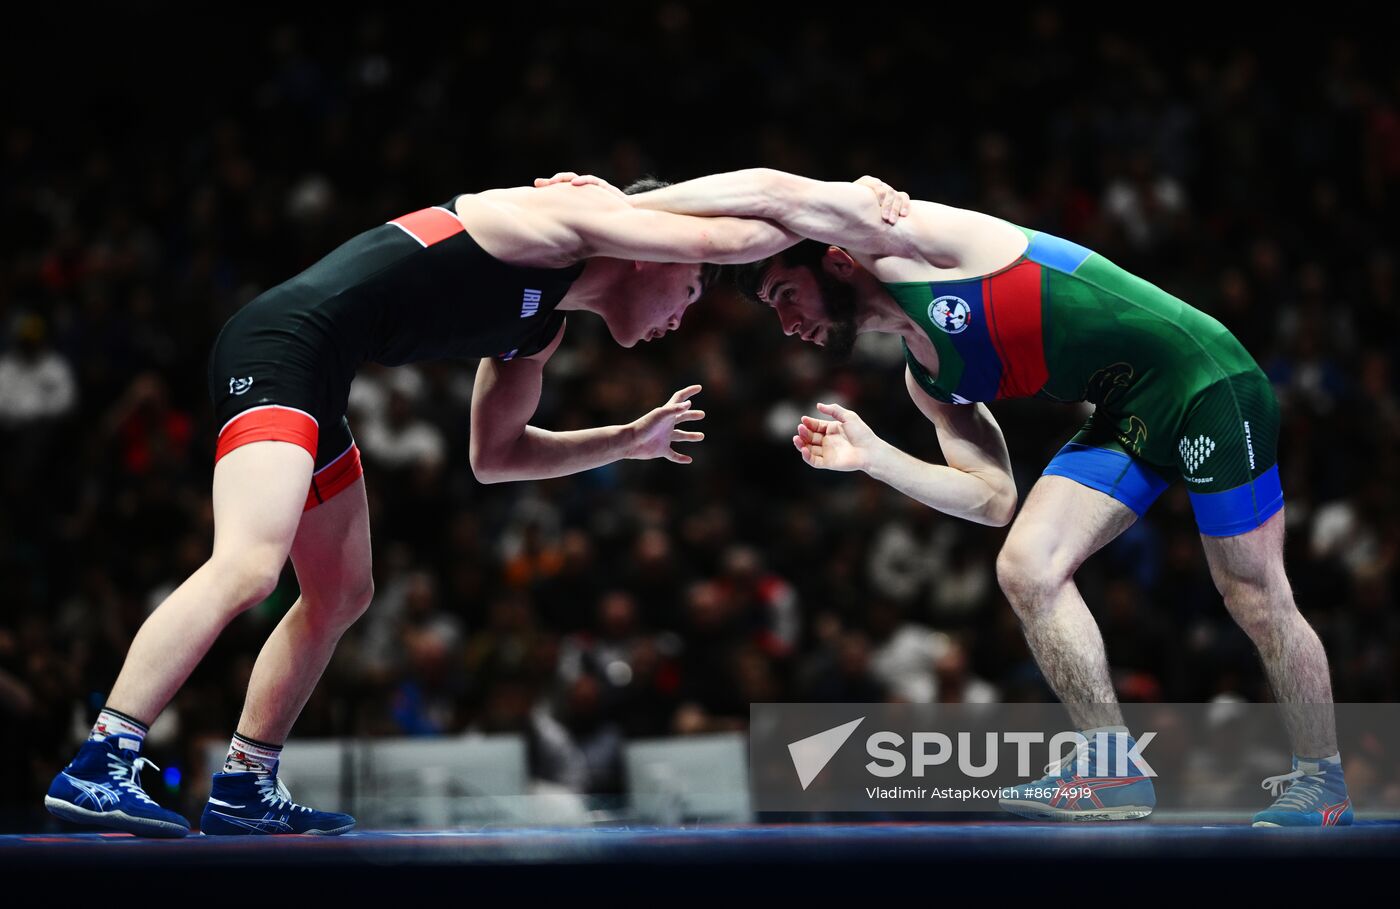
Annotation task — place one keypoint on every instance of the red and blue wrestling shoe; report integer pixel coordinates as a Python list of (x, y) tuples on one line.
[(1316, 796), (1081, 788), (102, 787), (247, 803)]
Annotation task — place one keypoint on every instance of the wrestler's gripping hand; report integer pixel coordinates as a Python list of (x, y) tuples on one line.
[(893, 203), (568, 176)]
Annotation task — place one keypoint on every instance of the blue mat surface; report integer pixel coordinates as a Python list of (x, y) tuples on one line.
[(864, 843)]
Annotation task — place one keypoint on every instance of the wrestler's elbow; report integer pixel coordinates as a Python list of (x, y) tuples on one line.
[(489, 464), (1000, 507)]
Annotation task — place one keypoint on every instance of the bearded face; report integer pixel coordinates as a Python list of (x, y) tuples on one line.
[(815, 306)]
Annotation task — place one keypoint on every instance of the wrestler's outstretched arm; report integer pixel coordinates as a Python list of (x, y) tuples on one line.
[(976, 484), (505, 447), (862, 216), (561, 224)]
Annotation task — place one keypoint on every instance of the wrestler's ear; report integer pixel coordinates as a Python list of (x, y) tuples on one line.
[(838, 263)]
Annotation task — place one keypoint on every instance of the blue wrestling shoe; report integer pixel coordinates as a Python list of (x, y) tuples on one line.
[(1098, 795), (102, 786), (242, 804), (1316, 796)]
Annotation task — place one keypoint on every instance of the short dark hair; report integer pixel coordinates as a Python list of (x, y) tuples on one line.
[(710, 273), (645, 185), (806, 254)]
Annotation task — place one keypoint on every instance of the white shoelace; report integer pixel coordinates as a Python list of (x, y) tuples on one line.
[(275, 794), (128, 776), (1304, 789)]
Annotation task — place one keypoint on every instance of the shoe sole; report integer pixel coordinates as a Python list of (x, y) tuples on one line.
[(116, 820), (335, 832), (1041, 812)]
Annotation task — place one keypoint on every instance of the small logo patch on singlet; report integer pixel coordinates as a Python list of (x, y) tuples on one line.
[(1195, 451), (239, 386), (950, 314), (530, 304)]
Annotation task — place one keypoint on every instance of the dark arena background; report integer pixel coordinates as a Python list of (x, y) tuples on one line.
[(536, 653)]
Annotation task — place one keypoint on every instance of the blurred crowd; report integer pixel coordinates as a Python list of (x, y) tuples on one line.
[(146, 193)]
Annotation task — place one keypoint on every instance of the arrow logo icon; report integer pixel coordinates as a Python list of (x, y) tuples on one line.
[(811, 754)]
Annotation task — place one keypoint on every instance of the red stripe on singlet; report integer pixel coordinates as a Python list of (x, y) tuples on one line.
[(1013, 303), (429, 225)]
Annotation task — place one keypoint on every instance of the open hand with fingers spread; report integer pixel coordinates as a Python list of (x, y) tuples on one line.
[(655, 433), (842, 443), (568, 176)]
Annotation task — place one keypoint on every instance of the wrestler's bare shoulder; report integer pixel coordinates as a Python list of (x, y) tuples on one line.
[(524, 225)]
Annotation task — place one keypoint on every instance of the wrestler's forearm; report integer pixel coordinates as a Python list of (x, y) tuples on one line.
[(845, 214), (540, 454), (946, 489), (753, 193)]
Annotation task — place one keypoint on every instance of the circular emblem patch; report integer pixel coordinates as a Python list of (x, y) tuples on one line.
[(950, 314)]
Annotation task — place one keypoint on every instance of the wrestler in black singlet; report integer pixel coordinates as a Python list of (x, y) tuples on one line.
[(417, 288)]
